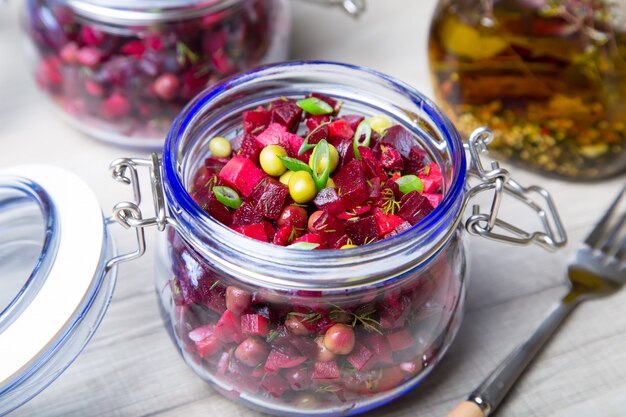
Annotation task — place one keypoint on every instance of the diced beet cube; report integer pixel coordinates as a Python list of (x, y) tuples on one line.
[(254, 325), (269, 197), (299, 378), (241, 174), (414, 207), (293, 143), (415, 162), (282, 235), (214, 165), (274, 385), (305, 345), (343, 240), (269, 230), (431, 177), (228, 328), (209, 203), (374, 190), (379, 346), (395, 310), (256, 121), (359, 357), (328, 227), (254, 231), (208, 346), (351, 183), (345, 149), (321, 133), (353, 120), (250, 148), (403, 227), (202, 179), (246, 214), (386, 222), (272, 135), (222, 364), (280, 360), (389, 157), (401, 139), (328, 200), (354, 212), (202, 332), (362, 230), (286, 113), (313, 123), (325, 370), (371, 166), (340, 130), (433, 199), (400, 340)]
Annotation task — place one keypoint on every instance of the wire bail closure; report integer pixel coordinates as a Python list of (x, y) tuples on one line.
[(352, 7), (485, 224), (497, 179), (128, 213)]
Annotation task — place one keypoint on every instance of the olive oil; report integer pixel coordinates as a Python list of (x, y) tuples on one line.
[(548, 76)]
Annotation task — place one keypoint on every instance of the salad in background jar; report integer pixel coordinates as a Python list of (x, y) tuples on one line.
[(122, 70), (548, 76)]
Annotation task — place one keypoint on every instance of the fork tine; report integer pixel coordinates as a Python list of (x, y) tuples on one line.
[(613, 235), (620, 255), (598, 232)]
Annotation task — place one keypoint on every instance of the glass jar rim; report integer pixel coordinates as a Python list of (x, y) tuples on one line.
[(445, 216), (143, 12)]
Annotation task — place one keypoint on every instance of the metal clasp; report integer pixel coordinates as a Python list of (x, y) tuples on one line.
[(353, 7), (498, 180), (128, 213)]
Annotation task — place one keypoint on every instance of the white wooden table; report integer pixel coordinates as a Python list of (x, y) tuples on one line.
[(131, 368)]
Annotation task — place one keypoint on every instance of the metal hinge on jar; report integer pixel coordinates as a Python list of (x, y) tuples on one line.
[(498, 181), (128, 213)]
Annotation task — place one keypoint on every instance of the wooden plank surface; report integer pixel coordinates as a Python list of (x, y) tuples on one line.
[(131, 368)]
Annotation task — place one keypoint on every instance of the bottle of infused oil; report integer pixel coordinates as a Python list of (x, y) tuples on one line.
[(548, 76)]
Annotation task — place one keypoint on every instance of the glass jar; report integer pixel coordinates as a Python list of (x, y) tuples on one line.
[(122, 70), (547, 76), (401, 298)]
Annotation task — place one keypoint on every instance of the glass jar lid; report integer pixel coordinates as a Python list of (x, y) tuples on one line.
[(138, 11), (52, 253)]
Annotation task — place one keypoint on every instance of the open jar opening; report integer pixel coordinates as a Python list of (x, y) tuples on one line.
[(329, 332)]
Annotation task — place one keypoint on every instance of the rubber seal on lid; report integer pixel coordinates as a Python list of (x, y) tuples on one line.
[(72, 265)]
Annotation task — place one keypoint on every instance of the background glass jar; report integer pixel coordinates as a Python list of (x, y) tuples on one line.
[(548, 76), (122, 70), (250, 318)]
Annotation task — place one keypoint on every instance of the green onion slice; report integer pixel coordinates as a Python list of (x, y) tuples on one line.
[(304, 246), (321, 151), (294, 164), (364, 129), (410, 183), (305, 145), (227, 196), (315, 106)]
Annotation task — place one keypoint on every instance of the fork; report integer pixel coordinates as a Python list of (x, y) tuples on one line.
[(597, 270)]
